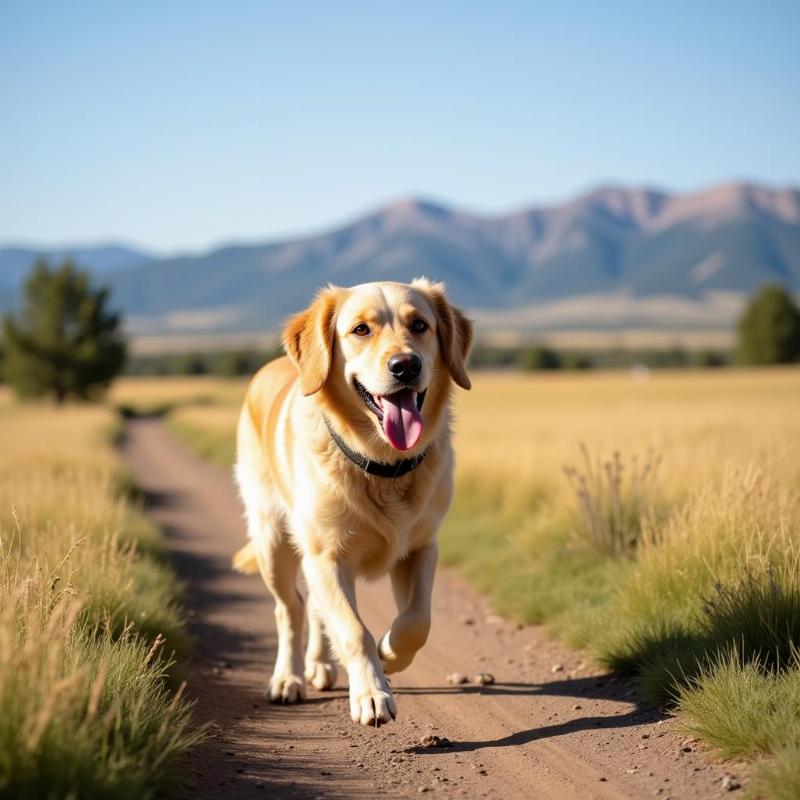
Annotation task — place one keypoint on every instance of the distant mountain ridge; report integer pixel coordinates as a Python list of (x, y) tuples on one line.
[(101, 260), (702, 250)]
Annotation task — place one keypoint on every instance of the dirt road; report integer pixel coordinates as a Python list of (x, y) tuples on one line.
[(548, 728)]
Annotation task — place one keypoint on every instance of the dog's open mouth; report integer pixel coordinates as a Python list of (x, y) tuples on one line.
[(398, 413)]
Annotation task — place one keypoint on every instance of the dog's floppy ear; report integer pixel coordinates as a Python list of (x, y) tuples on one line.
[(308, 339), (454, 331)]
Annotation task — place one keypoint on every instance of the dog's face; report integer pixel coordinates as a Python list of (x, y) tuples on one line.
[(384, 351)]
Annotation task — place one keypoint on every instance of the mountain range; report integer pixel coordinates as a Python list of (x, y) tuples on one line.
[(609, 258), (101, 260)]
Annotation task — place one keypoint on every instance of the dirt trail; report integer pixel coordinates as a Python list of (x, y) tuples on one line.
[(548, 728)]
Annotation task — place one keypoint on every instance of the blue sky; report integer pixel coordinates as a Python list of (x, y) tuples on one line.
[(183, 123)]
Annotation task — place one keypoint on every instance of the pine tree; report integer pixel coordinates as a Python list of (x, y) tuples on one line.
[(65, 342), (769, 329)]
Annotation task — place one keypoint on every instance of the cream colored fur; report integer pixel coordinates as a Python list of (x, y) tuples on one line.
[(309, 508)]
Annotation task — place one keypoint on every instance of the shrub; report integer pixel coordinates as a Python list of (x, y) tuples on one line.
[(539, 358), (769, 328), (577, 361), (192, 364), (710, 358)]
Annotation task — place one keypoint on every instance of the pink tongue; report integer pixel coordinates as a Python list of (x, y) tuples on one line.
[(402, 422)]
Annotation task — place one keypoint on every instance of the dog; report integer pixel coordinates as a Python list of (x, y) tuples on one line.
[(345, 469)]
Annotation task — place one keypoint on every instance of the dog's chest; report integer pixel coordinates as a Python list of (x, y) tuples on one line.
[(386, 522)]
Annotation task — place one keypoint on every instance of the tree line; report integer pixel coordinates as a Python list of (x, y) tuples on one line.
[(67, 342)]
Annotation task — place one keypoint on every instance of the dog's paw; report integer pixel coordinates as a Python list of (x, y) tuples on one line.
[(371, 701), (286, 688), (390, 661), (376, 707), (321, 674)]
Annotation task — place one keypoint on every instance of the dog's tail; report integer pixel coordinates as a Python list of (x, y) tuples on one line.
[(244, 560)]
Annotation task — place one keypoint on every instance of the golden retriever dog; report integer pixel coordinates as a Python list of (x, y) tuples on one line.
[(345, 467)]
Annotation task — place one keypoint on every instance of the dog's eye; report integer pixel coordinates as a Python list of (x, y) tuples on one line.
[(419, 326), (362, 329)]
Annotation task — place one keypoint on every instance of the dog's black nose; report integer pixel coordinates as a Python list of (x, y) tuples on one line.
[(405, 367)]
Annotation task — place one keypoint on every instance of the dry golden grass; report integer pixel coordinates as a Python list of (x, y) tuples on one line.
[(524, 428), (145, 394), (87, 616)]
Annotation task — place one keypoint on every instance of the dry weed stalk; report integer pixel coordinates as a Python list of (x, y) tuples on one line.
[(615, 510)]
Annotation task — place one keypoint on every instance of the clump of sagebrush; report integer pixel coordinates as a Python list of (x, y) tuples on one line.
[(616, 502)]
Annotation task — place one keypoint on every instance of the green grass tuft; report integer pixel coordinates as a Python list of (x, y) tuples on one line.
[(756, 619), (759, 618), (779, 777), (742, 708)]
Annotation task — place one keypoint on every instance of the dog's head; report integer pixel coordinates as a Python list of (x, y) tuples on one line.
[(384, 353)]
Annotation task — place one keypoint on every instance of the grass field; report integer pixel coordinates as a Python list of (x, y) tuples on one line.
[(89, 617), (670, 547)]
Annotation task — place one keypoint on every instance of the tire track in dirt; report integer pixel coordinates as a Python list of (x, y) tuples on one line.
[(535, 733)]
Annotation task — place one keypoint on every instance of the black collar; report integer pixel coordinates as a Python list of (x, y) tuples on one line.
[(379, 468)]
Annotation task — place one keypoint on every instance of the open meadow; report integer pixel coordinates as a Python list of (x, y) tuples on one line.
[(652, 520)]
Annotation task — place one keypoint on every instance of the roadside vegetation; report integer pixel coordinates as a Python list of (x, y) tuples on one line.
[(655, 523), (89, 617), (670, 549)]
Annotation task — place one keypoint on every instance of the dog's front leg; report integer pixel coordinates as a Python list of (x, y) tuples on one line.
[(333, 587), (412, 583)]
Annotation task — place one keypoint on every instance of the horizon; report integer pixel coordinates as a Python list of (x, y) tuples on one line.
[(182, 130), (334, 225)]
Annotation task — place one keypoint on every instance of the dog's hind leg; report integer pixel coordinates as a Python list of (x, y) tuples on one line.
[(278, 563), (320, 668)]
